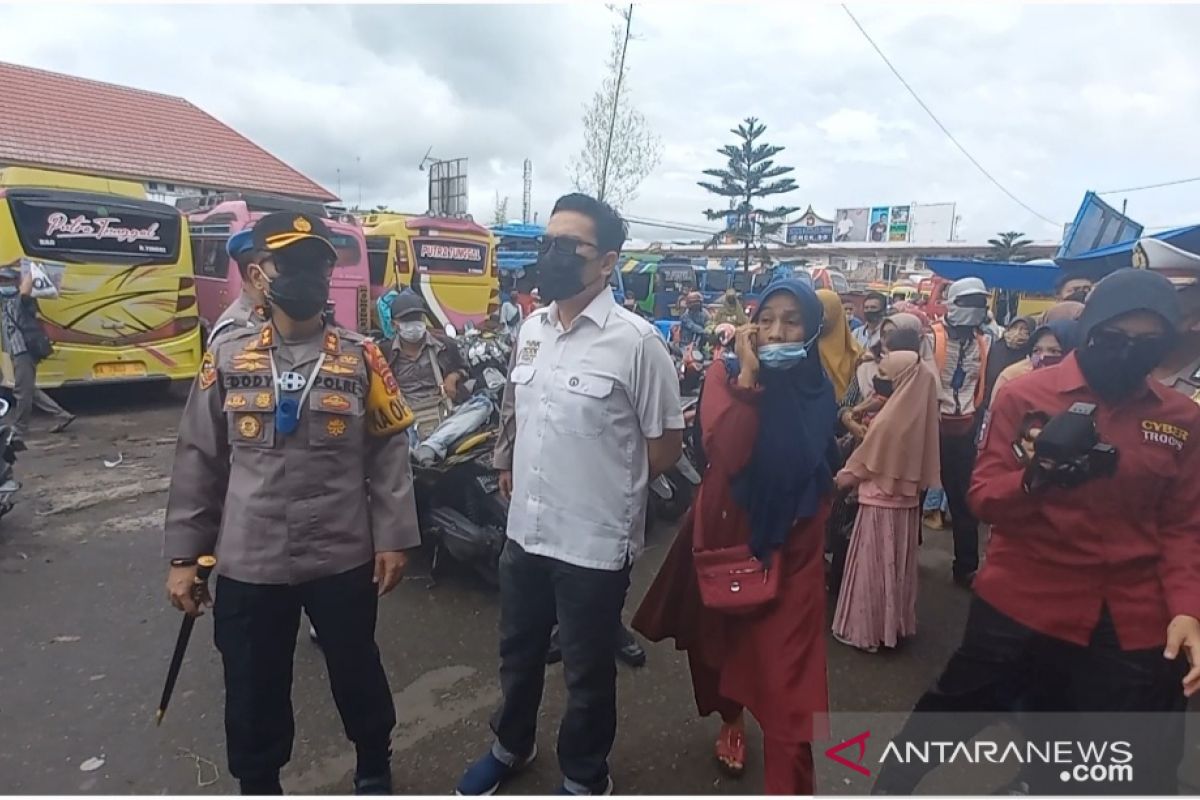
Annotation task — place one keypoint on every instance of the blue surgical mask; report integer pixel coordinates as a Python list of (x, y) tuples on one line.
[(782, 356)]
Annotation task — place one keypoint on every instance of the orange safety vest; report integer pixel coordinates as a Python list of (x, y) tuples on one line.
[(939, 358)]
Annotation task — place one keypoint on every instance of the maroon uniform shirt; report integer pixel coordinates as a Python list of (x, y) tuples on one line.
[(1131, 541)]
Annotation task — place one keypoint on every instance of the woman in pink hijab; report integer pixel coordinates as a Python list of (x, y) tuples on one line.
[(897, 460)]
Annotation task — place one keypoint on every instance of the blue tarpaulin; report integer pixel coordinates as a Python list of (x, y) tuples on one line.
[(1097, 225), (1034, 278), (1095, 264)]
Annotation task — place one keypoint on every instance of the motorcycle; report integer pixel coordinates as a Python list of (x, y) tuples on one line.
[(10, 445), (672, 492), (461, 511)]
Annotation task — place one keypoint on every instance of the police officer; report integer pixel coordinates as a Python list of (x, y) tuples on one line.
[(427, 366), (1089, 600), (290, 466), (1181, 368), (249, 309)]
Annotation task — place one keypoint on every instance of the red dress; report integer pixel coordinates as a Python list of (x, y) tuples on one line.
[(773, 662)]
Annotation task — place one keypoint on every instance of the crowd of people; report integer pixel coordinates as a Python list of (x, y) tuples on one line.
[(823, 445)]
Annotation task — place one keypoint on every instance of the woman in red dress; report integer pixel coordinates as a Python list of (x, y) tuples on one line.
[(767, 420)]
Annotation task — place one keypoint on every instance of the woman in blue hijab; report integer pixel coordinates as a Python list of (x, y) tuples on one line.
[(767, 420)]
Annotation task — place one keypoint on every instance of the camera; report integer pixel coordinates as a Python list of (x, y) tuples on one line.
[(1068, 451)]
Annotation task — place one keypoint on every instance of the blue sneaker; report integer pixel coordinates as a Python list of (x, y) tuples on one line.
[(571, 787), (485, 776)]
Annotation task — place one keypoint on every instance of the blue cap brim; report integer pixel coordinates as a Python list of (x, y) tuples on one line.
[(240, 242)]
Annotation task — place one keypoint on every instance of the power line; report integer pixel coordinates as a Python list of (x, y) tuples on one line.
[(938, 122), (1150, 186)]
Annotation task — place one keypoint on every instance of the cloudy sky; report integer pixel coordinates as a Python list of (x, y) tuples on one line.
[(1053, 100)]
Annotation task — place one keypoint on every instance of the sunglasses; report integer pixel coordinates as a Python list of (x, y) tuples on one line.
[(1117, 340), (563, 245)]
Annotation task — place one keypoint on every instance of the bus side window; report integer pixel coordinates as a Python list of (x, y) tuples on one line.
[(210, 257)]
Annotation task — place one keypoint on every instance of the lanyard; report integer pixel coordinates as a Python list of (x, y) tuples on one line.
[(287, 409)]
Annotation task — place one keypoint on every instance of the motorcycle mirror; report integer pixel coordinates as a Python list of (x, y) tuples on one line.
[(451, 331), (3, 406)]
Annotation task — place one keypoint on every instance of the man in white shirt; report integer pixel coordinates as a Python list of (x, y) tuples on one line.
[(874, 308), (595, 414)]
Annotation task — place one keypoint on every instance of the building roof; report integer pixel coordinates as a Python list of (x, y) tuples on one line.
[(62, 122)]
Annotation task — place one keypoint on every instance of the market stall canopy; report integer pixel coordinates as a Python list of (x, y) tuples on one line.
[(1034, 278), (1095, 264)]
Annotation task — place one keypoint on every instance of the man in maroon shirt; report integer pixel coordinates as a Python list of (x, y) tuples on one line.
[(1090, 594)]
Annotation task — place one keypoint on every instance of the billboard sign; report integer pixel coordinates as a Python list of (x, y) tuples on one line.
[(878, 229), (898, 227), (810, 229), (851, 224)]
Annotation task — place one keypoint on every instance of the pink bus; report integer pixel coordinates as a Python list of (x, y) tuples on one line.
[(213, 219)]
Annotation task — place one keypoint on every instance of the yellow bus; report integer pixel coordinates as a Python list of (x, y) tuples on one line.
[(449, 262), (126, 309)]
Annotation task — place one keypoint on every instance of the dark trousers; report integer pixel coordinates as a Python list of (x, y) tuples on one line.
[(958, 460), (1097, 693), (255, 629), (534, 592)]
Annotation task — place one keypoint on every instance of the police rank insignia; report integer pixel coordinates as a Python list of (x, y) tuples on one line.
[(331, 343), (335, 402), (335, 427), (262, 400), (208, 371), (249, 426)]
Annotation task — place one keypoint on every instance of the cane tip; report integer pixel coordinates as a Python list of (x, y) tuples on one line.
[(158, 716)]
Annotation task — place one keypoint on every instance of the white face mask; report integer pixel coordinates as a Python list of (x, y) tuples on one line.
[(411, 331)]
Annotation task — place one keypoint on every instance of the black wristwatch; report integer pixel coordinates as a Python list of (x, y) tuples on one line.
[(183, 562)]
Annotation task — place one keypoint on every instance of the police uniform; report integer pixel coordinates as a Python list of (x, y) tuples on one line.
[(242, 312), (1182, 268), (289, 466)]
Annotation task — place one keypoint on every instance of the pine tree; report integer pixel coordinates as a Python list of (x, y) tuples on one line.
[(751, 174)]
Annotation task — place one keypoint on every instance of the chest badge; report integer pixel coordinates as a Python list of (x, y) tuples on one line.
[(292, 381), (237, 401), (262, 400), (335, 427), (249, 426)]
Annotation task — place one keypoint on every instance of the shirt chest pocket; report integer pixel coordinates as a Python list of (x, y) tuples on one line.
[(580, 405), (250, 418), (335, 419)]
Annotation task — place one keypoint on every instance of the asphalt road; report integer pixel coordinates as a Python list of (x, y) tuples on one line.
[(86, 633)]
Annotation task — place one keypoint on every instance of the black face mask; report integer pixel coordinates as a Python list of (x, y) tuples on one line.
[(300, 293), (560, 275), (1115, 365), (1077, 296), (883, 386), (873, 317)]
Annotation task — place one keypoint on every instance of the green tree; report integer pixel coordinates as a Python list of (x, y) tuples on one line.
[(750, 175), (1009, 246), (500, 210)]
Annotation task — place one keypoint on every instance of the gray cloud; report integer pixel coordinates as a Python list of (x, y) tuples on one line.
[(1052, 99)]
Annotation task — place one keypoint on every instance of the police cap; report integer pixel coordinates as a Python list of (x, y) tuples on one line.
[(1179, 266), (295, 232)]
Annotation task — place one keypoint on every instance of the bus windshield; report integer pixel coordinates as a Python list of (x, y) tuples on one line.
[(76, 227), (348, 251), (719, 280)]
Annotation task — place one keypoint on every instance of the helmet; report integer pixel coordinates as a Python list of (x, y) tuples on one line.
[(965, 287)]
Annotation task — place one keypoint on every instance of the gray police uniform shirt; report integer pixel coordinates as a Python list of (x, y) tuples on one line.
[(285, 509), (242, 313), (1186, 381), (578, 409)]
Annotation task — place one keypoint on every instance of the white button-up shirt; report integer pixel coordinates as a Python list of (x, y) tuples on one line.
[(584, 402)]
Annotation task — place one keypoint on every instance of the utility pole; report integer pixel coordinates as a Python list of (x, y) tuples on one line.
[(527, 191), (616, 103)]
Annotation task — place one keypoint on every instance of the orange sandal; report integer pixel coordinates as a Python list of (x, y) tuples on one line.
[(731, 750)]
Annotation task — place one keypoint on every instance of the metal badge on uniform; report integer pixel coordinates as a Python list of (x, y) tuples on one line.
[(292, 381), (287, 415)]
